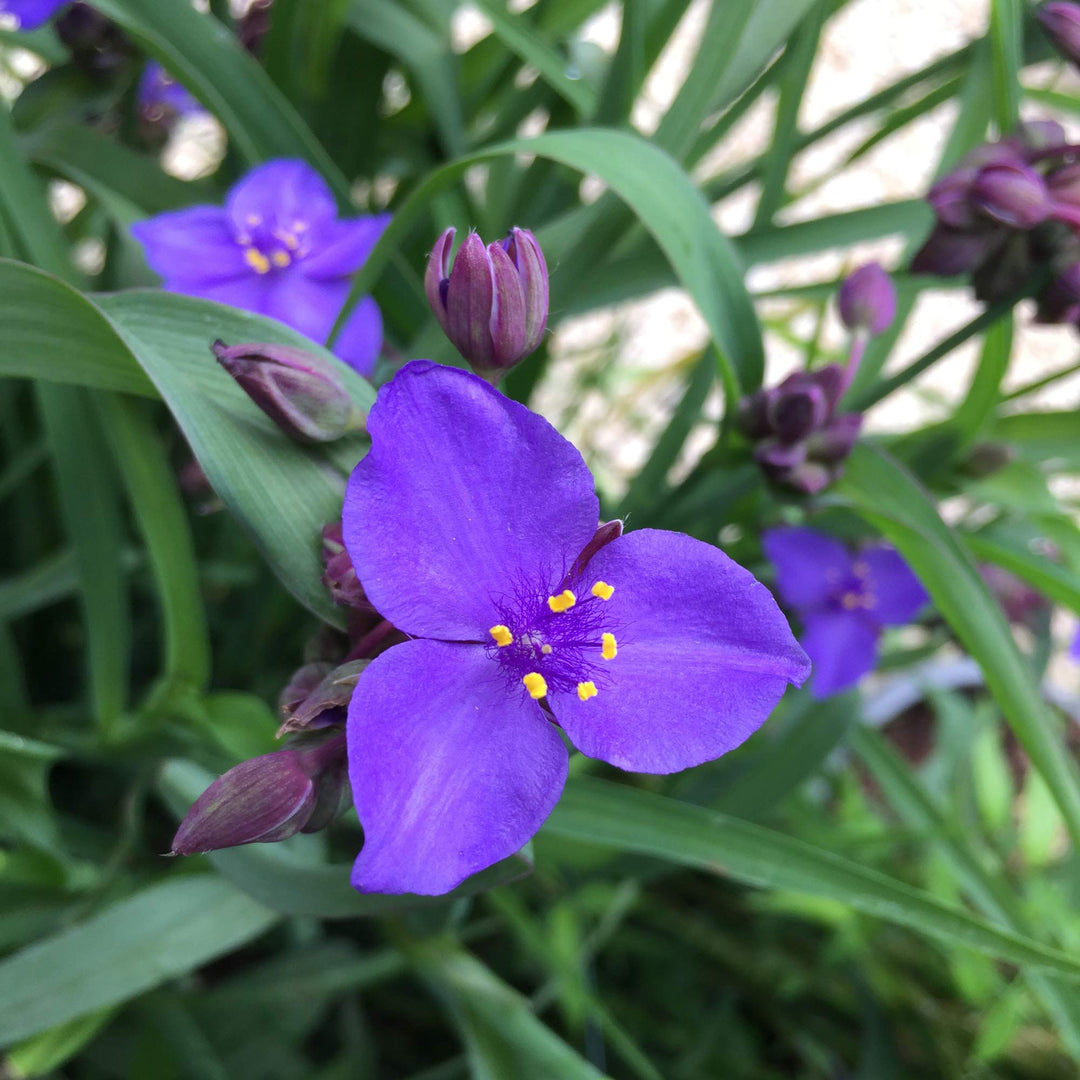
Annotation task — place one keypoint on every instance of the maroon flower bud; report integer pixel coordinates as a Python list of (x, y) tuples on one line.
[(777, 458), (1064, 184), (1010, 269), (1040, 135), (798, 411), (836, 441), (1013, 194), (950, 199), (1059, 302), (315, 700), (1061, 22), (339, 575), (267, 798), (811, 477), (493, 304), (948, 252), (754, 413), (302, 393), (867, 299)]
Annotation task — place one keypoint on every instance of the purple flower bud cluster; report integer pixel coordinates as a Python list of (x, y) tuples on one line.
[(1009, 209), (493, 304), (800, 439), (1061, 22)]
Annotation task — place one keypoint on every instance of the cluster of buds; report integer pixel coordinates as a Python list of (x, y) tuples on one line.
[(305, 786), (302, 393), (1061, 21), (800, 438), (1008, 210), (493, 303)]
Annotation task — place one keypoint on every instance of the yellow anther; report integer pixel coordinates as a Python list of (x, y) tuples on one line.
[(602, 590), (257, 260), (287, 238), (546, 650), (253, 220), (536, 685), (563, 602), (502, 635), (586, 690), (608, 648), (280, 258)]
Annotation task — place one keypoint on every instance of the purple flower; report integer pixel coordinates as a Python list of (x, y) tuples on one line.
[(472, 525), (277, 248), (161, 96), (843, 600), (31, 13), (867, 299)]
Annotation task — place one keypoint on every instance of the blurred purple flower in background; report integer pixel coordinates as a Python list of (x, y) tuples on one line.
[(472, 525), (31, 13), (1061, 21), (161, 97), (844, 599), (278, 248)]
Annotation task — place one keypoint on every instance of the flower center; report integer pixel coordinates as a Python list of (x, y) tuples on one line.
[(556, 642), (268, 246), (854, 592)]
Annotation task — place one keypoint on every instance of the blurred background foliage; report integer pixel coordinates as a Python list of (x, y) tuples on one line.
[(882, 884)]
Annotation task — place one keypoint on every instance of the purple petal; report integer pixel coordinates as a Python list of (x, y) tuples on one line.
[(249, 292), (896, 590), (842, 646), (312, 307), (450, 771), (159, 90), (704, 654), (463, 493), (340, 248), (808, 564), (360, 340), (192, 245), (438, 271), (31, 13), (1074, 646), (281, 194)]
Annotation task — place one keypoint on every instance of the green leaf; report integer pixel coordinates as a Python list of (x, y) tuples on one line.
[(892, 500), (669, 206), (502, 1035), (42, 1054), (212, 64), (281, 491), (630, 820), (155, 497), (983, 394), (163, 931), (25, 810), (90, 507), (1053, 581), (1006, 44)]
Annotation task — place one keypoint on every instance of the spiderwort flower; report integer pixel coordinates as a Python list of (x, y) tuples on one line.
[(278, 248), (493, 304), (867, 299), (472, 525), (843, 599), (31, 13), (162, 98)]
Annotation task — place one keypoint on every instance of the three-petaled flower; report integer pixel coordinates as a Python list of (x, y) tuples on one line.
[(844, 599), (277, 248), (32, 13), (472, 525)]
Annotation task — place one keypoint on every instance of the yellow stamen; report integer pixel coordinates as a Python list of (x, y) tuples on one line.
[(536, 685), (586, 690), (608, 648), (287, 238), (563, 602), (602, 590), (280, 258), (502, 635), (257, 260), (253, 220), (546, 650)]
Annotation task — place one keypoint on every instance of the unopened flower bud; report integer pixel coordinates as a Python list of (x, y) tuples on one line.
[(1059, 302), (302, 393), (987, 458), (1013, 194), (493, 304), (266, 799), (339, 575), (1040, 134), (867, 299), (315, 700), (798, 411), (835, 442), (1061, 21), (950, 199)]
